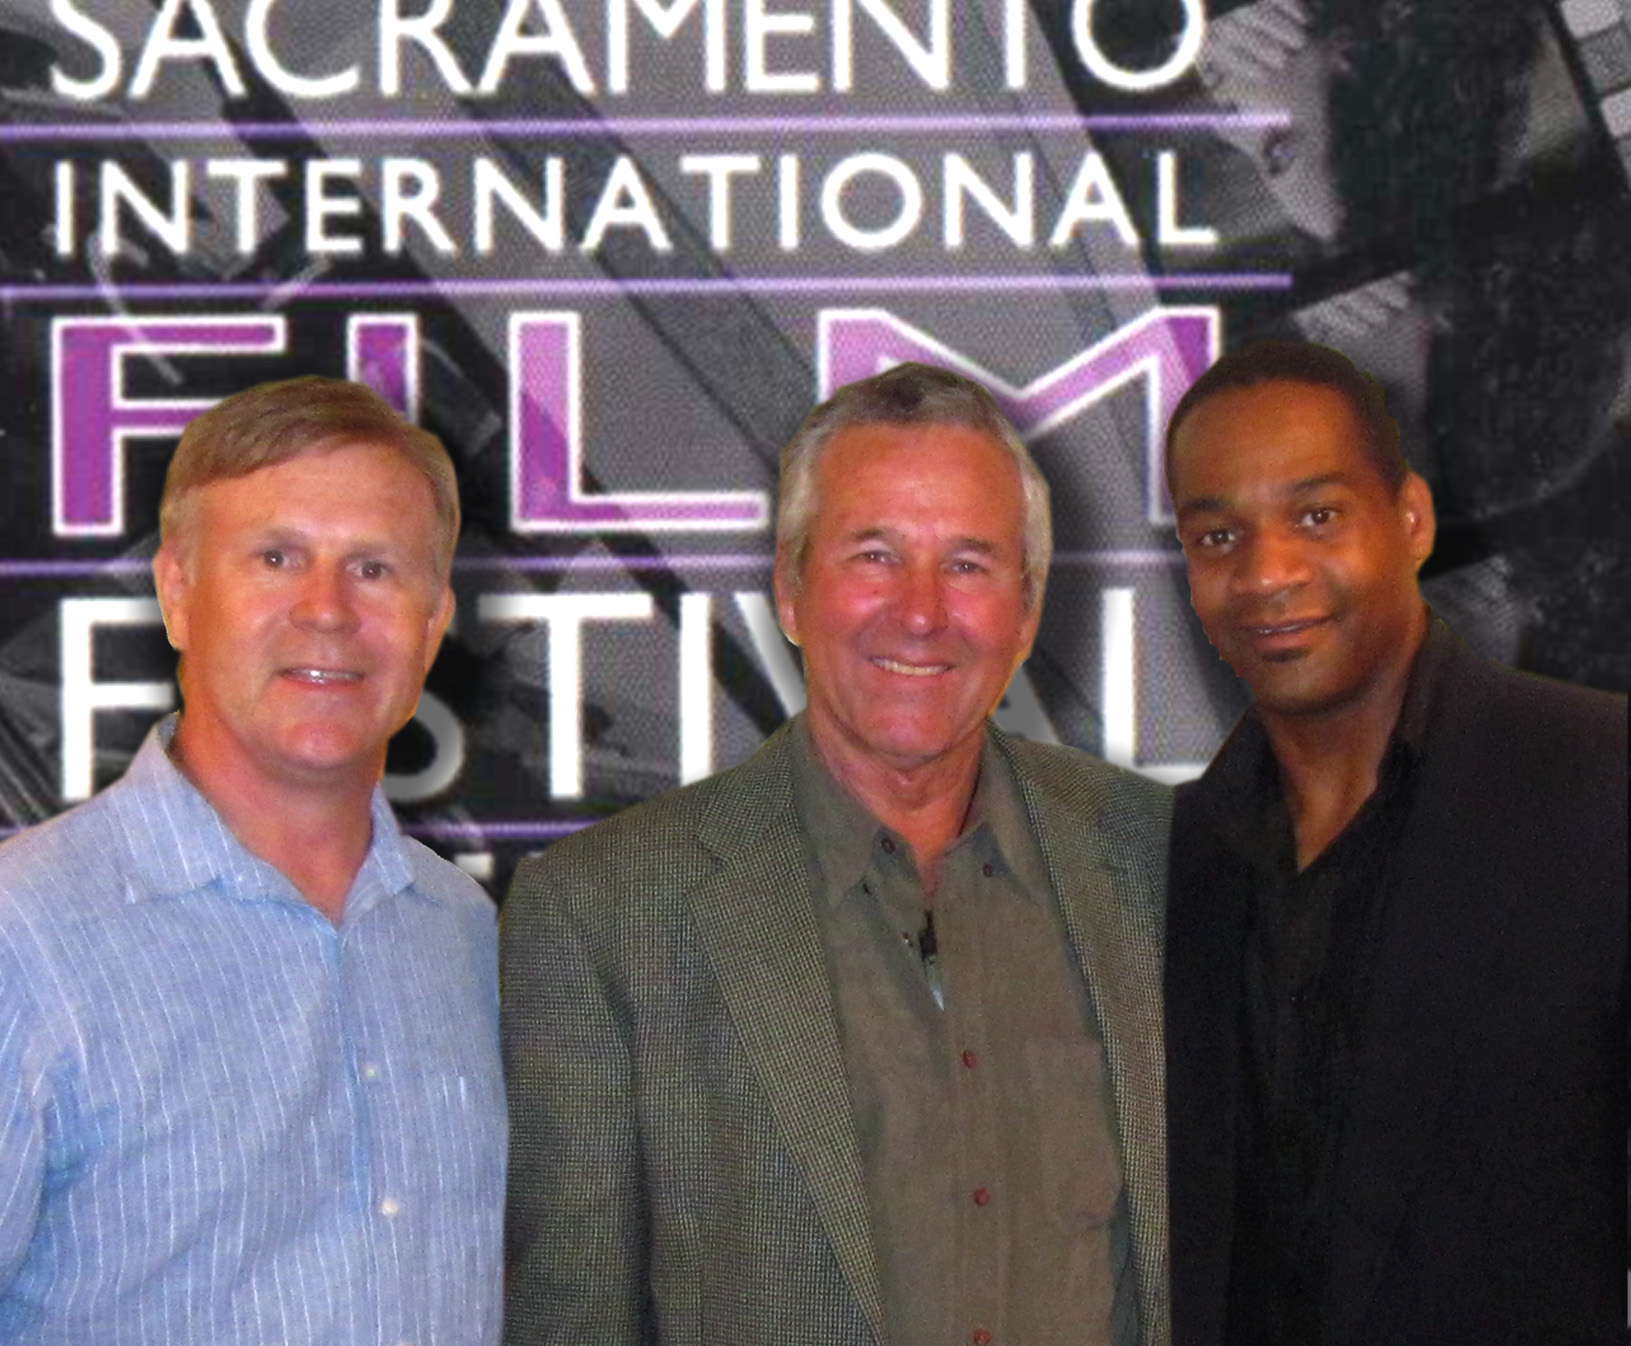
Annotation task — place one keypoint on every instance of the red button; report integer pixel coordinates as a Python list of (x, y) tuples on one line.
[(982, 1337), (970, 1060), (981, 1196)]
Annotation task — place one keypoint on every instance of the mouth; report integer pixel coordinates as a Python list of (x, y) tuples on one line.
[(323, 677), (1284, 638), (910, 670)]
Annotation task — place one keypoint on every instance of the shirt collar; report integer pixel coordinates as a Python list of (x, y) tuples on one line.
[(845, 836), (178, 842), (1243, 778)]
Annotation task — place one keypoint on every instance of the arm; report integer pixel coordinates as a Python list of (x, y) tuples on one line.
[(577, 1228)]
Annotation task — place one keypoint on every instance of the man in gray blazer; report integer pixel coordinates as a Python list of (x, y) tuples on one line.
[(859, 1042)]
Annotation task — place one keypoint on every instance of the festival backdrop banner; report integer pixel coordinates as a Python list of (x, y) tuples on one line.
[(612, 251)]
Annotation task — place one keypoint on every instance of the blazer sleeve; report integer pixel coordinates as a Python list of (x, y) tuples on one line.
[(576, 1221)]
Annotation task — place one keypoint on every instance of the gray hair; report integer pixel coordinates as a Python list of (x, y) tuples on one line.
[(909, 394)]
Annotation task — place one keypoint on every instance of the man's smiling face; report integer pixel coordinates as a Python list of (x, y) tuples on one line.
[(308, 603), (1302, 559), (910, 603)]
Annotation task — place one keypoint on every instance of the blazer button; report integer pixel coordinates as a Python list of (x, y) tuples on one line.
[(982, 1197), (981, 1337)]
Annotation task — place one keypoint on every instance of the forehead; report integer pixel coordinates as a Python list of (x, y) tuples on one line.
[(915, 476), (1264, 439), (333, 487)]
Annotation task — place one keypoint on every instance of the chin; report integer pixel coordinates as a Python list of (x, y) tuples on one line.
[(1286, 698), (326, 753)]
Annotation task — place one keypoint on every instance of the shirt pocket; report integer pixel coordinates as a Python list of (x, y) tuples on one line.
[(1080, 1164)]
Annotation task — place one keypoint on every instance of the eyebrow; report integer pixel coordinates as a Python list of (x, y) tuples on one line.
[(1219, 504), (880, 533)]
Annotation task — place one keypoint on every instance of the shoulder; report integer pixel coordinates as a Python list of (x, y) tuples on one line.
[(1536, 731), (662, 846), (444, 880), (1078, 779), (67, 867)]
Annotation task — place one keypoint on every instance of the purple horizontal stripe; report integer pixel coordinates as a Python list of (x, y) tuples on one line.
[(451, 831), (25, 569), (502, 831), (590, 128), (764, 560), (664, 285)]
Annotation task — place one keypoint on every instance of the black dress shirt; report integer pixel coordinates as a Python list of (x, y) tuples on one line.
[(1309, 955)]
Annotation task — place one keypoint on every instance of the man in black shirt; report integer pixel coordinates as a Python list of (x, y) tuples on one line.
[(1397, 924)]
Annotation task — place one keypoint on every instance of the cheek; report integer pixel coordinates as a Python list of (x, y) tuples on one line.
[(1208, 588)]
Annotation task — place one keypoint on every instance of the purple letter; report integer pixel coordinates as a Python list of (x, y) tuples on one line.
[(382, 350), (546, 452), (1169, 346), (91, 417)]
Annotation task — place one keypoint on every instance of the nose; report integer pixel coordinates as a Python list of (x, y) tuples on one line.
[(921, 600), (1270, 561), (325, 601)]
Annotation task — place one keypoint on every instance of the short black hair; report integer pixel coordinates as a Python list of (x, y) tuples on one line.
[(1303, 362)]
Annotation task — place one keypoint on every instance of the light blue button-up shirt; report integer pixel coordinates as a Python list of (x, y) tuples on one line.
[(223, 1119)]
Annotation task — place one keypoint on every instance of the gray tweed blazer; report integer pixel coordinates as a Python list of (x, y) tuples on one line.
[(683, 1164)]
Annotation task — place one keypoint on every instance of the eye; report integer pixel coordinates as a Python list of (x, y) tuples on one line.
[(1213, 539), (372, 570), (1318, 517), (964, 566), (274, 558)]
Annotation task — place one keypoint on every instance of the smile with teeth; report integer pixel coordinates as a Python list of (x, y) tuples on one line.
[(910, 670), (323, 676)]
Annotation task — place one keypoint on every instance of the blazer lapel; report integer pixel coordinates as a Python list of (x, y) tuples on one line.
[(1106, 870), (1443, 916), (1205, 951), (761, 937)]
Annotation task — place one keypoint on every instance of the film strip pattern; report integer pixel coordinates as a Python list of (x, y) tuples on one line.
[(1601, 30)]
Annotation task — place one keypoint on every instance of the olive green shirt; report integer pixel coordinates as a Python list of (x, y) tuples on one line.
[(977, 1078)]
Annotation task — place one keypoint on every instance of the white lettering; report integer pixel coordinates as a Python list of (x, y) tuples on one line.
[(256, 36), (100, 40), (163, 45)]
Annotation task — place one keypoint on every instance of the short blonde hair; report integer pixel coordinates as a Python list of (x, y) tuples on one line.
[(275, 422)]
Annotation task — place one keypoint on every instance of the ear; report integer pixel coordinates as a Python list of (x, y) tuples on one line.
[(1033, 619), (174, 587), (1420, 519), (436, 626), (786, 589)]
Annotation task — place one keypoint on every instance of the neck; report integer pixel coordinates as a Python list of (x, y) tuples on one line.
[(1329, 762), (315, 833), (924, 802)]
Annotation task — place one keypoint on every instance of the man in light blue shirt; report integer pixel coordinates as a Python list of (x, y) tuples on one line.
[(249, 1076)]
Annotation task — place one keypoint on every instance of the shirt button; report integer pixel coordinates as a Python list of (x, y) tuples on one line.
[(970, 1060), (988, 870), (981, 1197), (981, 1337), (888, 844), (370, 1071), (390, 1207)]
